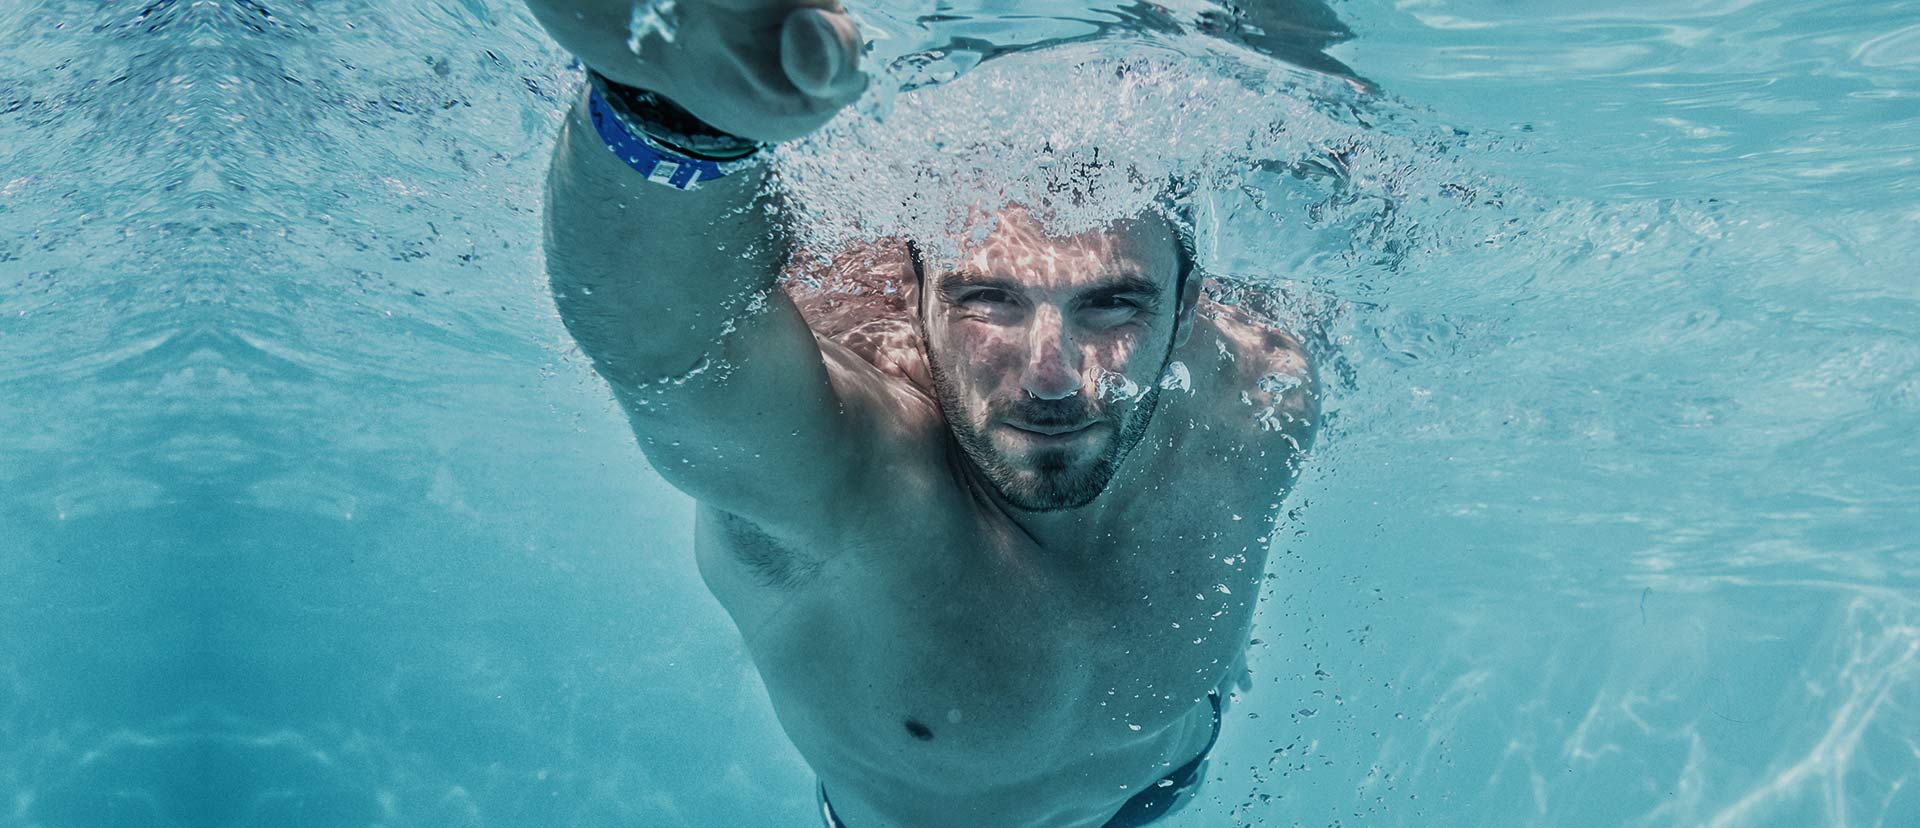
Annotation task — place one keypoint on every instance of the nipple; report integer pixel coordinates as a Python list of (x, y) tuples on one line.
[(919, 730)]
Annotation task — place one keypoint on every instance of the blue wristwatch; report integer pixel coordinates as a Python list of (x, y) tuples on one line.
[(660, 140)]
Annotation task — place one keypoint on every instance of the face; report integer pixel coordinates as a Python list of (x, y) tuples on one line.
[(1047, 352)]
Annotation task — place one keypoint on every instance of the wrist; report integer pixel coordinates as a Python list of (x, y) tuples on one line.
[(662, 122), (662, 141)]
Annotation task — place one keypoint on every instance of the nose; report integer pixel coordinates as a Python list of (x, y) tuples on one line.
[(1052, 371)]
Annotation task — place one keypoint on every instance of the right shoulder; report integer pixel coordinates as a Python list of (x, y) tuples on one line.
[(902, 433)]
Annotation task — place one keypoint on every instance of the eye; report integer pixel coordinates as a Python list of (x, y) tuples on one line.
[(1111, 310), (989, 296), (1114, 307)]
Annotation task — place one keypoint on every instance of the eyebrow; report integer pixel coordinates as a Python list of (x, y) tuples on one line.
[(958, 280), (1147, 289)]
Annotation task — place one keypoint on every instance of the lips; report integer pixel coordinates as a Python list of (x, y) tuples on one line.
[(1051, 430)]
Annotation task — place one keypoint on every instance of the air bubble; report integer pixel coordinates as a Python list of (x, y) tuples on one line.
[(652, 17), (1177, 377)]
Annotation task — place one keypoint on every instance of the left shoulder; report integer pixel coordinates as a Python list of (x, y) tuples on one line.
[(1254, 380)]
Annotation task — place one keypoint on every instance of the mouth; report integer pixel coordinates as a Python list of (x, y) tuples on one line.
[(1053, 433)]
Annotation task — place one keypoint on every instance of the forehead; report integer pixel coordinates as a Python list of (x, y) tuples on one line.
[(1022, 249)]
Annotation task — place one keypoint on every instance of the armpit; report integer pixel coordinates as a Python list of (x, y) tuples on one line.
[(771, 563)]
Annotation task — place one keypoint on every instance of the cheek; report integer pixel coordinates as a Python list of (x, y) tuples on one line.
[(984, 356), (1119, 353)]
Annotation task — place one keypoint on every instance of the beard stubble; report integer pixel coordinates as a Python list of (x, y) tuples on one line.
[(1054, 484)]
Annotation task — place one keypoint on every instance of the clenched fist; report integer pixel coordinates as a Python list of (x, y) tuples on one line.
[(769, 70)]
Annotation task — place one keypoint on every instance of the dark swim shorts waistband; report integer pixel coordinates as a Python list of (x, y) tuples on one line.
[(1163, 798)]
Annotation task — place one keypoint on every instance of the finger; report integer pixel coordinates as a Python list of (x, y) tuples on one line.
[(820, 51)]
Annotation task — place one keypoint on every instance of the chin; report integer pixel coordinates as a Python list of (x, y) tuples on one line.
[(1053, 487), (1053, 496)]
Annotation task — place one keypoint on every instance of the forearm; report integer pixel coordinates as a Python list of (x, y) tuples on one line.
[(646, 276)]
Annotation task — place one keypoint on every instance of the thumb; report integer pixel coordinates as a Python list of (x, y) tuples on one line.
[(820, 51)]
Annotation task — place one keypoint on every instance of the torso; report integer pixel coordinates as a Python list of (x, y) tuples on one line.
[(936, 667)]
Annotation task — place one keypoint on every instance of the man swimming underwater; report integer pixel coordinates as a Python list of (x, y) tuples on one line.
[(993, 574)]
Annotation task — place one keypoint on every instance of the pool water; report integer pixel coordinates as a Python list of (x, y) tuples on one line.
[(311, 515)]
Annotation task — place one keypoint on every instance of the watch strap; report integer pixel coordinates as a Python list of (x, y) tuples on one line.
[(660, 140)]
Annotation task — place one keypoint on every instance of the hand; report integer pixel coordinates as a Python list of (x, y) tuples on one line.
[(770, 70)]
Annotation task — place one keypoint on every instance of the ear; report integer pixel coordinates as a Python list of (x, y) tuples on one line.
[(1189, 303), (913, 284)]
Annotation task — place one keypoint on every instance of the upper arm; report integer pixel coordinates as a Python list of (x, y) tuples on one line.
[(671, 295), (759, 427)]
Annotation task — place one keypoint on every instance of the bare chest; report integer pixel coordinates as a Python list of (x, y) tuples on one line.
[(951, 641)]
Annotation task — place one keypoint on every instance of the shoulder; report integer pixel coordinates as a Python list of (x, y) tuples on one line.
[(859, 300), (1259, 383), (858, 305), (892, 447)]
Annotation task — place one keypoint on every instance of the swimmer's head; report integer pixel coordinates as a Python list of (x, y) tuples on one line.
[(1047, 351)]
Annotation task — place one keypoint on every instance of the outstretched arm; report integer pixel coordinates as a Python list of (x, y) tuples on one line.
[(671, 293)]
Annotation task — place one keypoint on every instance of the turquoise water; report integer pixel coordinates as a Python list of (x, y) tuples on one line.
[(310, 515)]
